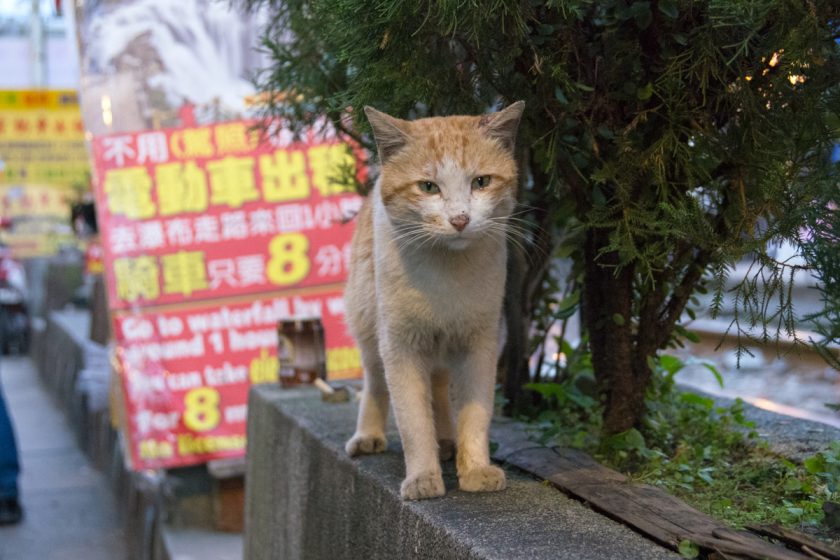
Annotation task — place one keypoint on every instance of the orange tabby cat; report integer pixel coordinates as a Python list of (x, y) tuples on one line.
[(424, 296)]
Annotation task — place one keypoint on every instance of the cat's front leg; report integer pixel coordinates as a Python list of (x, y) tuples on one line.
[(409, 383), (473, 381), (373, 409)]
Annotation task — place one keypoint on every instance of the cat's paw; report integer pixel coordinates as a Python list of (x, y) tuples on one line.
[(489, 478), (365, 445), (446, 449), (422, 486)]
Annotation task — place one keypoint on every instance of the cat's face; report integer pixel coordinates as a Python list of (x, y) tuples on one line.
[(448, 180)]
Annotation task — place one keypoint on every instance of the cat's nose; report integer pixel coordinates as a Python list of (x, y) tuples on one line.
[(460, 221)]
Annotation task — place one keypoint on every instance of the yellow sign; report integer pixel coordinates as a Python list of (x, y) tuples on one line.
[(49, 99), (39, 217), (42, 139), (55, 125), (43, 167)]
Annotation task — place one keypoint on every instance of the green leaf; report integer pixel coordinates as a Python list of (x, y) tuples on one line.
[(604, 174), (560, 96), (644, 93), (709, 366), (548, 390), (605, 132), (671, 364), (583, 401), (815, 464), (631, 440), (793, 485), (598, 198), (796, 511), (669, 8), (715, 372), (705, 476), (566, 249), (694, 398), (680, 38), (618, 319), (568, 306), (685, 333), (688, 549)]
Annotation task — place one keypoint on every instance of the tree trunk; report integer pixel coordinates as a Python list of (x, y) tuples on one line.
[(608, 300), (513, 363)]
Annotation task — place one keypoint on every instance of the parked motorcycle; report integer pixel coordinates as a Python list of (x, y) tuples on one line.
[(14, 313)]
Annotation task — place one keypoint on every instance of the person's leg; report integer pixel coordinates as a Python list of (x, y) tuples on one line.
[(10, 511)]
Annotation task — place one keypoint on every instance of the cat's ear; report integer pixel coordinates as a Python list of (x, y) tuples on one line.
[(390, 133), (503, 124)]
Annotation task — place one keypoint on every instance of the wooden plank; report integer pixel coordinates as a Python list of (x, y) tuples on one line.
[(797, 539), (649, 510)]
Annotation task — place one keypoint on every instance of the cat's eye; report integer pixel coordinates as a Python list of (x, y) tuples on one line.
[(428, 187), (480, 182)]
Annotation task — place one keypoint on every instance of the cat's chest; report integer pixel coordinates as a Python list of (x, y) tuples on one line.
[(456, 293), (447, 282)]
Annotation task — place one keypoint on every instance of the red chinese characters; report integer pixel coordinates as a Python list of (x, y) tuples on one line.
[(210, 236), (186, 373), (211, 212)]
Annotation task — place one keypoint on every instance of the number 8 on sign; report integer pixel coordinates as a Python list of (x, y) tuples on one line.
[(289, 262), (201, 409)]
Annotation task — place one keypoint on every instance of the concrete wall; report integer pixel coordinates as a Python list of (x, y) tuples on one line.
[(306, 499)]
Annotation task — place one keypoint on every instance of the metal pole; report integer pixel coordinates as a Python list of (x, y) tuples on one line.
[(37, 50)]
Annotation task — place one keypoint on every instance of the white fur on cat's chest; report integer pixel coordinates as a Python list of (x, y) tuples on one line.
[(439, 301)]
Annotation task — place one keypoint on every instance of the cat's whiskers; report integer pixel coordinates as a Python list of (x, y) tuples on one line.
[(524, 210), (429, 238), (509, 226), (408, 232), (409, 235), (410, 241), (511, 233), (500, 240), (526, 226)]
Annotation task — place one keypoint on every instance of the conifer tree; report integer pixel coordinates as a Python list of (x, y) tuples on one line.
[(663, 141)]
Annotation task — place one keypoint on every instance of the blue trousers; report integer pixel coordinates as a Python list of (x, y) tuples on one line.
[(9, 464)]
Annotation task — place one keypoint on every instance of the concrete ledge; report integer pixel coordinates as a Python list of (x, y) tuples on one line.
[(306, 499), (77, 373), (164, 513), (195, 544)]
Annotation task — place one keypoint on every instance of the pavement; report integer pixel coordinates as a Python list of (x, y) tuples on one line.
[(70, 512), (787, 380)]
